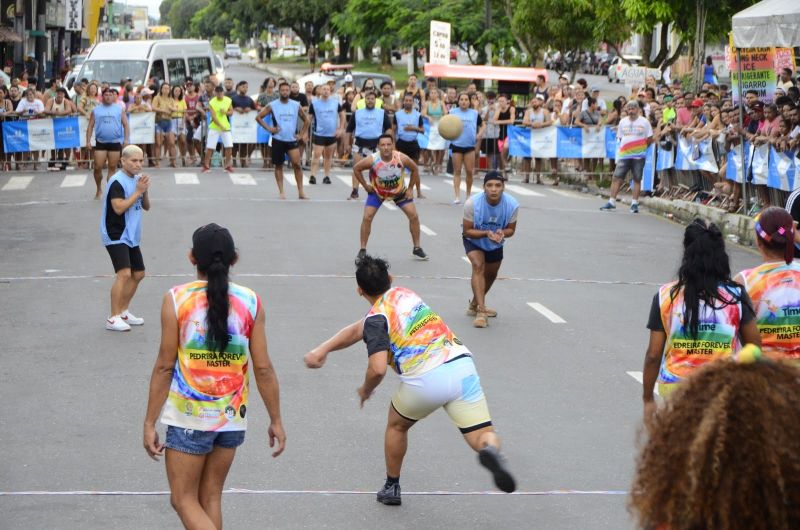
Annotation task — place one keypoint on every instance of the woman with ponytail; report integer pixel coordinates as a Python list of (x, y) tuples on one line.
[(200, 379), (774, 286), (697, 319)]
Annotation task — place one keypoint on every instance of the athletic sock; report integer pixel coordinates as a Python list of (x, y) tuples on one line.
[(392, 480), (612, 201), (634, 202)]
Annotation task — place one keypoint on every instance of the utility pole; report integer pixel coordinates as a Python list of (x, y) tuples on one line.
[(488, 23), (41, 41)]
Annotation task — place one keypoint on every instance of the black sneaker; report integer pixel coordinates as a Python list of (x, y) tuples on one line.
[(360, 255), (490, 458), (312, 179), (390, 494), (326, 180), (420, 254), (354, 194)]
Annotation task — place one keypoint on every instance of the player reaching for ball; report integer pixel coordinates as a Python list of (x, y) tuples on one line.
[(435, 369), (387, 182)]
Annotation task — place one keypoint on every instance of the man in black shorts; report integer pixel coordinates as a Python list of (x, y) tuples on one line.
[(121, 231), (367, 125), (328, 128), (407, 125), (285, 113), (110, 125)]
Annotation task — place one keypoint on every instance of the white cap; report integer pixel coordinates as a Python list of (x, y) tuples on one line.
[(348, 78)]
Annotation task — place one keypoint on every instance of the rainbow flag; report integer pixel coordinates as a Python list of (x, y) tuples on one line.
[(635, 149)]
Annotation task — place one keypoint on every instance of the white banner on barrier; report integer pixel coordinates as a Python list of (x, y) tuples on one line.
[(40, 135), (759, 157), (244, 128), (543, 142), (83, 122), (142, 127), (594, 143)]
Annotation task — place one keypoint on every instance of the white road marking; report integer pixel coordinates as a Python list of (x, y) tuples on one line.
[(242, 179), (475, 188), (424, 187), (549, 315), (186, 178), (17, 183), (427, 230), (640, 378), (347, 181), (467, 260), (570, 194), (523, 191), (73, 181)]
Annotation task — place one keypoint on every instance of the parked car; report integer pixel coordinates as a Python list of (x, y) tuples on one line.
[(233, 51), (291, 51), (338, 74), (617, 68), (219, 68), (396, 54)]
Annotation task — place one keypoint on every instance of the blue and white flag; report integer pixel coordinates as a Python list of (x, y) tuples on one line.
[(594, 143), (41, 134), (611, 143), (141, 127), (665, 159), (558, 142), (695, 156), (423, 138), (782, 170), (649, 172), (735, 169), (759, 164), (570, 142)]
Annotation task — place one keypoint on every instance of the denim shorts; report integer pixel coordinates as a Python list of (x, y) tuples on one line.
[(201, 442), (164, 126)]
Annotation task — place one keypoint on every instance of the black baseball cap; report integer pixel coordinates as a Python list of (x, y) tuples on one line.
[(493, 175), (211, 242)]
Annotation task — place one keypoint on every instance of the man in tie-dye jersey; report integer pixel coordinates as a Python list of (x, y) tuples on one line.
[(634, 134), (435, 368)]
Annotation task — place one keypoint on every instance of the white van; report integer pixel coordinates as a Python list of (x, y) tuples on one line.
[(167, 60)]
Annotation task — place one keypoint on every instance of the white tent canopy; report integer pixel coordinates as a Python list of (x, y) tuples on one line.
[(768, 23)]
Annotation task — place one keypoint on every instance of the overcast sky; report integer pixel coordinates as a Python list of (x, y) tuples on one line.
[(152, 6)]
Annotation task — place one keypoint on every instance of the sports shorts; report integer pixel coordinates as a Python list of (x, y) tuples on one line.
[(280, 149), (462, 150), (489, 256), (125, 257), (367, 146), (455, 386), (408, 148), (108, 146), (634, 165), (324, 141), (375, 201), (215, 135)]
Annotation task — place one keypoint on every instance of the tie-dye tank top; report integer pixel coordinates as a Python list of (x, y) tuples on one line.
[(717, 334), (387, 177), (209, 389), (420, 340), (775, 291)]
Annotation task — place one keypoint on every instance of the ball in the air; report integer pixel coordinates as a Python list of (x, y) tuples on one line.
[(749, 354), (450, 127)]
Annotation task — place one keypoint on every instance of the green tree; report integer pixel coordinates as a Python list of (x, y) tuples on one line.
[(211, 21)]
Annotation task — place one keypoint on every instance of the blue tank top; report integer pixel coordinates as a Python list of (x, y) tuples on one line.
[(369, 123), (133, 215), (488, 217), (708, 73), (108, 124), (285, 117), (407, 118), (469, 135), (326, 116)]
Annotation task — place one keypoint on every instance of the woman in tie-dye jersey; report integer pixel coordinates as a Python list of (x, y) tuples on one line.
[(200, 379), (702, 317), (774, 286), (435, 369)]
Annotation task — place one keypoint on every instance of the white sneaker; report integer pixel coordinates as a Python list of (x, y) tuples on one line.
[(116, 323), (131, 319)]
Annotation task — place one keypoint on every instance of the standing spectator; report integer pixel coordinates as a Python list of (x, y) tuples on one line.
[(121, 232), (634, 134), (242, 104), (504, 116), (192, 99), (58, 107), (220, 107), (541, 88), (785, 81), (31, 107), (434, 110), (709, 72), (267, 95), (5, 110), (590, 119), (489, 143), (537, 117), (164, 106), (110, 126), (179, 121)]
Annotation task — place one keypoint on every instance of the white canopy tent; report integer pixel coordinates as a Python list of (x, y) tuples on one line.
[(768, 23)]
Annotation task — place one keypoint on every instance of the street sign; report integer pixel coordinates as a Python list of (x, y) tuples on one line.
[(440, 42)]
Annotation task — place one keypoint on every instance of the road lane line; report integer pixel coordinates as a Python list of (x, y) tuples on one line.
[(426, 230), (242, 179), (186, 178), (73, 181), (549, 315), (523, 191), (570, 195), (640, 379), (17, 183), (347, 181), (475, 188)]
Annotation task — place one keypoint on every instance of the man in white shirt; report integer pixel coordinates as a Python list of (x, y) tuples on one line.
[(634, 134), (785, 80), (601, 103), (30, 106)]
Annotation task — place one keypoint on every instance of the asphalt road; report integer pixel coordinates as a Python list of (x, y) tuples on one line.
[(556, 380)]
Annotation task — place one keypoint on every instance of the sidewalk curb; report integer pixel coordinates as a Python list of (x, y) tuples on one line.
[(737, 228)]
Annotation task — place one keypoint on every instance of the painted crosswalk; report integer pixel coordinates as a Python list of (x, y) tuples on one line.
[(186, 178), (17, 183), (73, 181), (242, 179), (521, 190)]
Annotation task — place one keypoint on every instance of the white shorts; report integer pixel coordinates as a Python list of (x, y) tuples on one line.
[(214, 135)]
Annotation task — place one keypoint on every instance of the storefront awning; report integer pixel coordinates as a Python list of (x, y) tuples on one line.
[(497, 73), (8, 35)]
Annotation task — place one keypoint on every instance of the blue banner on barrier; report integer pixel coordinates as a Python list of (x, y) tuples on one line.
[(649, 172), (15, 137), (570, 142), (519, 141), (422, 138), (67, 132), (782, 170), (611, 143), (665, 158), (262, 135)]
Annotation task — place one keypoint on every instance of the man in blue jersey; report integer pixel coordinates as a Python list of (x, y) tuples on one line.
[(284, 115), (110, 125), (367, 125), (328, 128), (407, 125), (489, 219), (121, 231)]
